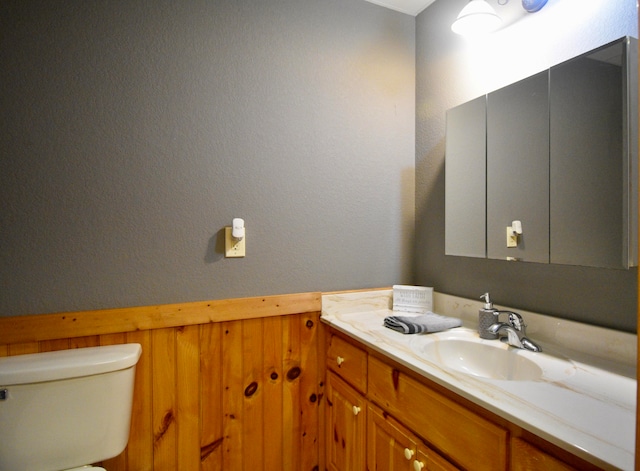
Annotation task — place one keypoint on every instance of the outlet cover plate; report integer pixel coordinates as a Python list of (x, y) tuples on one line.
[(512, 239), (233, 248)]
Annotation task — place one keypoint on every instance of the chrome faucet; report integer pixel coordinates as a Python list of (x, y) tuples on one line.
[(515, 328)]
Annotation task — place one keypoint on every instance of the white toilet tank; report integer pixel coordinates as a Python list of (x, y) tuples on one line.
[(65, 409)]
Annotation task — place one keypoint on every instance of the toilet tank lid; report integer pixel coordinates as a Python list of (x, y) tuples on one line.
[(65, 364)]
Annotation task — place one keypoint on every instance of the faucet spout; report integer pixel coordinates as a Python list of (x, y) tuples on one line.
[(515, 336), (530, 345)]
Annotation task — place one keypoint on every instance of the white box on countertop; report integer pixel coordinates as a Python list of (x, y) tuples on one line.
[(412, 298)]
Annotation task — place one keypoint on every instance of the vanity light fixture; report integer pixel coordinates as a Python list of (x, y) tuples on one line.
[(478, 17)]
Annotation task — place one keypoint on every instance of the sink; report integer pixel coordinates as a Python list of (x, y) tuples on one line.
[(483, 359), (492, 359)]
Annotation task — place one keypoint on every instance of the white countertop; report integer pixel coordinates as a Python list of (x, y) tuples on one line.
[(590, 412)]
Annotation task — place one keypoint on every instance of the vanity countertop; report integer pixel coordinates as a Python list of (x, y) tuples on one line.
[(590, 413)]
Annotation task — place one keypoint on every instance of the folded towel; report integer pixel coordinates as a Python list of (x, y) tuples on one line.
[(428, 322)]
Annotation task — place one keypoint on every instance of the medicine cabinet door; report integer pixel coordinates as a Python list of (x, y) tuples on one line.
[(588, 160), (465, 180), (518, 169)]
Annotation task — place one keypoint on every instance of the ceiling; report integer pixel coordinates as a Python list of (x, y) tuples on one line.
[(410, 7), (510, 12)]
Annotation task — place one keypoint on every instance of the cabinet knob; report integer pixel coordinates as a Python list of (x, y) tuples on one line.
[(408, 453), (339, 360), (418, 465), (356, 410)]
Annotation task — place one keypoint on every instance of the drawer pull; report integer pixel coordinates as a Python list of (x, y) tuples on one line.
[(339, 360), (418, 465), (356, 410), (408, 453)]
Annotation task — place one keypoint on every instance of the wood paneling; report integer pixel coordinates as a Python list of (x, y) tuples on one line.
[(273, 350), (163, 391), (21, 329), (140, 448), (225, 385)]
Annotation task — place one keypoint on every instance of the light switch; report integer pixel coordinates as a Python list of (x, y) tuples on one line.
[(232, 246)]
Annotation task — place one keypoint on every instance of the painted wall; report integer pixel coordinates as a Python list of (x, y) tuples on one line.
[(132, 132), (452, 70)]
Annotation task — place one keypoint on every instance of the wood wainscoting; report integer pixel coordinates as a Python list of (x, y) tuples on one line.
[(221, 385)]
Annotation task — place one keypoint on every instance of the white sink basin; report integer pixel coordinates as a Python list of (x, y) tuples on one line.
[(481, 359), (492, 359)]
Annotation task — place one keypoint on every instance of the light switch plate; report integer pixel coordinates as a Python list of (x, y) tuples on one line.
[(232, 246), (512, 239)]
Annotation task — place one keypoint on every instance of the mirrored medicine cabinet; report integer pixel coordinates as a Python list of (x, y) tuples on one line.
[(545, 170)]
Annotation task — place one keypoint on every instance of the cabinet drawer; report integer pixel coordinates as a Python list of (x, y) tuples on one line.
[(463, 436), (348, 361)]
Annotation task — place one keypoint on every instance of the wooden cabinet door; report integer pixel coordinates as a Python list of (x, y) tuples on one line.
[(346, 426), (526, 457), (465, 437), (429, 460), (390, 446)]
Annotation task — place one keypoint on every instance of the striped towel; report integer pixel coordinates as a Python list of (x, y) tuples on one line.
[(428, 322)]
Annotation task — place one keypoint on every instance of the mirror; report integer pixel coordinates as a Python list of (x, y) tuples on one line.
[(518, 169), (465, 217), (558, 154), (588, 160)]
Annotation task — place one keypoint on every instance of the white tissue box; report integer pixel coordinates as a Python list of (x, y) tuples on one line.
[(412, 298)]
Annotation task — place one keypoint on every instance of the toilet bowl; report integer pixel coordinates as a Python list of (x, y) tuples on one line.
[(66, 408)]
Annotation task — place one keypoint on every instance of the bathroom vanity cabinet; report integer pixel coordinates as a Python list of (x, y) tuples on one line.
[(380, 415), (361, 435)]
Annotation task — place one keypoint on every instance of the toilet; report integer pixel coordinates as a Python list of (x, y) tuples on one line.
[(67, 409)]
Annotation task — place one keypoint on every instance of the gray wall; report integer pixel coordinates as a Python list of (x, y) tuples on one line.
[(132, 132), (451, 71)]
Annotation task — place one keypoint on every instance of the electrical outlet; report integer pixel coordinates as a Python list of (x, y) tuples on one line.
[(512, 239), (232, 246)]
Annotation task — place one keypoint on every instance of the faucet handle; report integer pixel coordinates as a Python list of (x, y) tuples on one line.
[(517, 322)]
